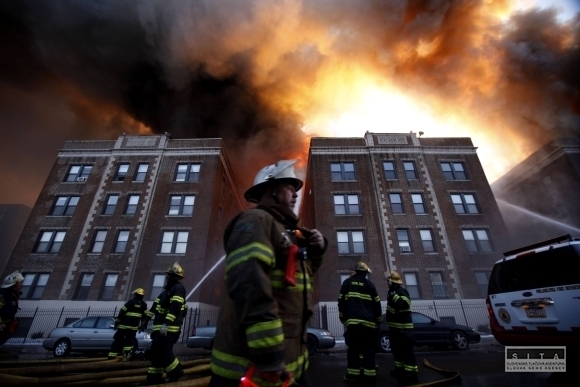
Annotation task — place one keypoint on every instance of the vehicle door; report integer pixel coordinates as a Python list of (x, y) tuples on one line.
[(538, 289), (424, 328), (80, 333), (103, 332)]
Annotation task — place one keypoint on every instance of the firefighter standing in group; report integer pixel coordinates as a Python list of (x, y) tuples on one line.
[(127, 323), (267, 301), (401, 334), (9, 294), (359, 309), (168, 309)]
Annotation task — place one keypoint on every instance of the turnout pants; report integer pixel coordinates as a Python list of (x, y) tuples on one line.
[(402, 342), (162, 357), (360, 355), (123, 341)]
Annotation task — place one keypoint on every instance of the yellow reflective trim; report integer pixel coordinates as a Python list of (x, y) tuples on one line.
[(228, 366), (256, 250), (358, 295)]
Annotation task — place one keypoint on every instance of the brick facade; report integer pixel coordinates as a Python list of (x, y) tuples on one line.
[(378, 223)]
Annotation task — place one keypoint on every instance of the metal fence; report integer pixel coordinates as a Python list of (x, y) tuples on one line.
[(36, 324), (472, 313)]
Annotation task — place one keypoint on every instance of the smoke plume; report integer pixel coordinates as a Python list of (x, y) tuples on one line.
[(257, 72)]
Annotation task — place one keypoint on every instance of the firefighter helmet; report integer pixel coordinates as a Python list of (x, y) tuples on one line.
[(361, 266), (282, 171), (139, 291), (175, 270), (395, 277), (12, 279)]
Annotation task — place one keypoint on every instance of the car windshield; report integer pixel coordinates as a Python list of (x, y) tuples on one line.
[(554, 267)]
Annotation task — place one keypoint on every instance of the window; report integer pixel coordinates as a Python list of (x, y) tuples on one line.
[(390, 171), (121, 242), (346, 204), (49, 241), (99, 241), (350, 242), (482, 279), (477, 241), (78, 173), (438, 285), (157, 287), (84, 287), (465, 203), (412, 285), (111, 204), (404, 241), (141, 172), (427, 241), (453, 171), (397, 203), (65, 205), (109, 287), (121, 172), (181, 205), (187, 172), (418, 204), (132, 202), (33, 285), (342, 171), (174, 242), (343, 277), (410, 170)]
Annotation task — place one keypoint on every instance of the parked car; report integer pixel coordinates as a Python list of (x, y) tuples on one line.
[(202, 337), (90, 334), (430, 332), (534, 294)]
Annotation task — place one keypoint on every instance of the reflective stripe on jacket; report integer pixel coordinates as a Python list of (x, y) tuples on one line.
[(169, 308), (399, 308), (359, 302), (131, 314), (262, 320)]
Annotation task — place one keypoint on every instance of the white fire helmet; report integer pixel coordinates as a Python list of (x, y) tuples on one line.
[(13, 278), (282, 171)]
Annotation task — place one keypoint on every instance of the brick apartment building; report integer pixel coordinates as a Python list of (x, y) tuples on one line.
[(539, 197), (113, 215), (422, 206)]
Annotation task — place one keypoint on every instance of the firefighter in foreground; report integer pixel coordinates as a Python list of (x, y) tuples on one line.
[(359, 309), (168, 308), (9, 294), (267, 302), (127, 323), (401, 332)]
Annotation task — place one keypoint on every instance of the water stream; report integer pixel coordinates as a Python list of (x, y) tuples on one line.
[(205, 276), (538, 216)]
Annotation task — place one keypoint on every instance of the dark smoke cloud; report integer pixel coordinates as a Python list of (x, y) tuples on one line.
[(246, 70)]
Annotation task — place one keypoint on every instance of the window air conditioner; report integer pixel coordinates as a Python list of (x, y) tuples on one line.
[(81, 179), (405, 248)]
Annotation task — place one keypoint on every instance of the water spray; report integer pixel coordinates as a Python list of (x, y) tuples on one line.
[(542, 217), (205, 276)]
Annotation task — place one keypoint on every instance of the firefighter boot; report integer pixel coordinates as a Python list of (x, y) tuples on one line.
[(175, 374), (124, 356), (408, 379)]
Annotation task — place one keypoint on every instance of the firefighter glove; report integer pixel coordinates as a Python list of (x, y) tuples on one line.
[(163, 330)]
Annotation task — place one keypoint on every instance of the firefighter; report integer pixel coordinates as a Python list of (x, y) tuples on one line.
[(127, 323), (267, 301), (168, 309), (359, 309), (9, 294), (401, 334)]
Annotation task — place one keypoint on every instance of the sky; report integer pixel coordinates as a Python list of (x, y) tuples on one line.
[(267, 75)]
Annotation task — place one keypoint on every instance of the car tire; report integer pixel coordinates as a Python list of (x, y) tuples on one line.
[(459, 340), (61, 348), (312, 344), (384, 343)]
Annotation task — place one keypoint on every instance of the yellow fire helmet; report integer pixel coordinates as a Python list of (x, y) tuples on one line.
[(395, 277), (175, 270), (139, 291), (361, 266)]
